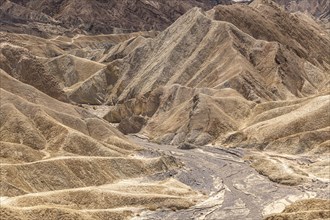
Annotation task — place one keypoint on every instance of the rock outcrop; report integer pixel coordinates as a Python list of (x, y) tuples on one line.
[(208, 80), (52, 151), (44, 18), (239, 92)]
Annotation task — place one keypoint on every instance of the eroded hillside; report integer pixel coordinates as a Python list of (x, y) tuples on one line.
[(234, 98), (46, 18)]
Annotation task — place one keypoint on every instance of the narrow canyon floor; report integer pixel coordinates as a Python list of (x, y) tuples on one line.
[(232, 189)]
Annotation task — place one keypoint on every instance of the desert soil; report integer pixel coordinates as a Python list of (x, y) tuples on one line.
[(232, 188)]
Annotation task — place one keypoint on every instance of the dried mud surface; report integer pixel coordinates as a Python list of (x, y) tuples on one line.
[(233, 189)]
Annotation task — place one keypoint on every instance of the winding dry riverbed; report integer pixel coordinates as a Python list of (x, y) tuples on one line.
[(234, 190)]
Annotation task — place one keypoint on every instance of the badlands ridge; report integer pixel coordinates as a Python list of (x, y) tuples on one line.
[(163, 110)]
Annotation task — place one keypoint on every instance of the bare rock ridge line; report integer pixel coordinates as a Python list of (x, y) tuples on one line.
[(46, 18), (189, 74), (95, 17), (164, 110)]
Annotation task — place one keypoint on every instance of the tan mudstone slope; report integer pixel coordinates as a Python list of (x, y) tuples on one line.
[(252, 78), (52, 150), (228, 76)]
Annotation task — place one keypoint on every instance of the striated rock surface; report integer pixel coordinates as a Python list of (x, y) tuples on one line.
[(318, 8), (54, 156), (207, 82), (220, 113), (68, 17), (305, 209)]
